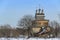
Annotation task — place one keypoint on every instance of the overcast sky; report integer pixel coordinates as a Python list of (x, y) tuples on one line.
[(12, 10)]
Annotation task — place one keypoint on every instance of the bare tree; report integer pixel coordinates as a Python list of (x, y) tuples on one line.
[(26, 23), (5, 30), (55, 25)]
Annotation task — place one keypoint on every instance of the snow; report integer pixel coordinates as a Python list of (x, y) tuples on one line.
[(29, 39)]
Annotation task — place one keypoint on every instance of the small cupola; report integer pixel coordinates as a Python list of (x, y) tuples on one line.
[(42, 12)]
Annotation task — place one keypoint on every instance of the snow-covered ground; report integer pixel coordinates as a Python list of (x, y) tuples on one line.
[(29, 39)]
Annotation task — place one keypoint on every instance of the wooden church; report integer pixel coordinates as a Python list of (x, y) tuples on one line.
[(40, 26)]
